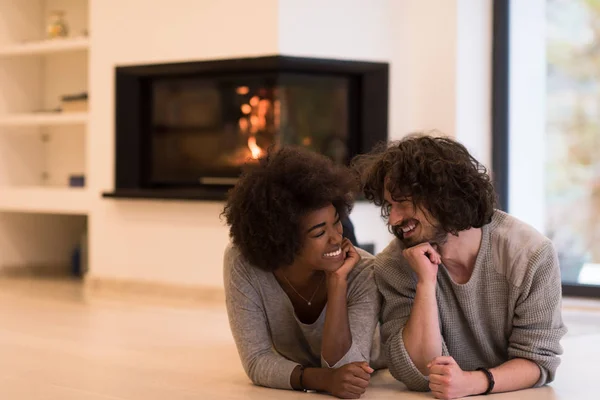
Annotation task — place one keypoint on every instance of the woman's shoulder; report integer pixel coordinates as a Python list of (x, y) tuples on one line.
[(364, 268), (235, 266)]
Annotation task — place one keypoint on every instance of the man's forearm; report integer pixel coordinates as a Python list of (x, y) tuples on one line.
[(515, 374), (337, 337), (421, 335)]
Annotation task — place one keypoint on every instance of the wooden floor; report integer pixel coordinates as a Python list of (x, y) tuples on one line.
[(59, 341)]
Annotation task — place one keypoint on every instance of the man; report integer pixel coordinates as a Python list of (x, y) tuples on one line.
[(471, 295)]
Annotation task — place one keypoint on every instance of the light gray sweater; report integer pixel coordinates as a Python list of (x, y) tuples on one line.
[(270, 339), (510, 308)]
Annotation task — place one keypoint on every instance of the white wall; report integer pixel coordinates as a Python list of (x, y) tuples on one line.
[(343, 29), (182, 243), (423, 84), (474, 77), (172, 242)]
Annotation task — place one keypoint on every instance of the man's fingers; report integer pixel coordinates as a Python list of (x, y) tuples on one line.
[(437, 379), (439, 395), (447, 360), (439, 369)]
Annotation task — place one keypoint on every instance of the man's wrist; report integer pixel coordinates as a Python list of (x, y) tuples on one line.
[(478, 382), (426, 285)]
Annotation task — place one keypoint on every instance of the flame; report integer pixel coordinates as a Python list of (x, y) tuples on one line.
[(242, 90), (246, 108), (254, 149)]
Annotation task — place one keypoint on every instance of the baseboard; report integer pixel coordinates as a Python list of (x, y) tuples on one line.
[(156, 289), (40, 270)]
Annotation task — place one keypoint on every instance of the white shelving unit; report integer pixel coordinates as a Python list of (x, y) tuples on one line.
[(42, 218), (39, 151), (45, 47), (46, 200), (43, 119)]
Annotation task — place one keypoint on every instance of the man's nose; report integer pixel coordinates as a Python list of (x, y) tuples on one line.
[(395, 217)]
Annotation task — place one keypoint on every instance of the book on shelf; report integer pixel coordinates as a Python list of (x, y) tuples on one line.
[(74, 102)]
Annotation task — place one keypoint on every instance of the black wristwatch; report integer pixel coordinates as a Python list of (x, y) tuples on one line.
[(490, 379)]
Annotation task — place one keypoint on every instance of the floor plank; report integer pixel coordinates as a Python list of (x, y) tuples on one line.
[(59, 340)]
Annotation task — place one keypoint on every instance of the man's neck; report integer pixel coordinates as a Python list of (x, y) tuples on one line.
[(459, 253)]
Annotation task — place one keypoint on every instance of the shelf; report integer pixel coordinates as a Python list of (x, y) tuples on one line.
[(44, 119), (46, 47), (39, 199), (205, 193)]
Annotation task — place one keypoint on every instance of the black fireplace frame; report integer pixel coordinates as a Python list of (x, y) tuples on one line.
[(132, 86)]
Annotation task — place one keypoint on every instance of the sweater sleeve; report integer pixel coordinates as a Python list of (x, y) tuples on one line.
[(537, 323), (249, 326), (363, 314), (398, 288)]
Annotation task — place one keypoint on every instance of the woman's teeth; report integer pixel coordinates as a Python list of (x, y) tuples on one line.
[(334, 253)]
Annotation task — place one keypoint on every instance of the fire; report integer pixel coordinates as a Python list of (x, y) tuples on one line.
[(254, 149)]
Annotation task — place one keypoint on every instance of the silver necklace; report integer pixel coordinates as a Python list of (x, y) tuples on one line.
[(309, 302)]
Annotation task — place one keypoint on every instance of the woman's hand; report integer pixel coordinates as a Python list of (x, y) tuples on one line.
[(351, 258), (349, 381)]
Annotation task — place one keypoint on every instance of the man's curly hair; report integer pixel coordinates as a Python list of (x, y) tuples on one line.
[(437, 173), (264, 208)]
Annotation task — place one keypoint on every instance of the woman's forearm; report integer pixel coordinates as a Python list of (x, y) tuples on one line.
[(312, 379), (337, 337)]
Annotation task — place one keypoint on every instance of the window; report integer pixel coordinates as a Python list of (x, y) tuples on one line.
[(547, 127)]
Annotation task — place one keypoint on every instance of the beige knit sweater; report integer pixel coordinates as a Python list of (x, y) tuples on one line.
[(510, 308)]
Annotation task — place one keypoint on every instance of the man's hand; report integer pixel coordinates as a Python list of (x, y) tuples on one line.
[(424, 260), (448, 381), (349, 381)]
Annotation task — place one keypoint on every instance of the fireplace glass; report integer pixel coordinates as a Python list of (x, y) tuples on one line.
[(203, 129)]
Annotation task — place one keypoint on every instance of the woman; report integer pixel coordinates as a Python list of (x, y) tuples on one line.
[(302, 303)]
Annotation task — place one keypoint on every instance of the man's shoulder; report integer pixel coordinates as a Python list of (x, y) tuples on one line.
[(391, 261), (514, 244)]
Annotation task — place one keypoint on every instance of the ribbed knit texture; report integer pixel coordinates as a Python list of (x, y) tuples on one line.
[(510, 307), (272, 341)]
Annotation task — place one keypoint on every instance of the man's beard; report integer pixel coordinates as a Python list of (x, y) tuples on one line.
[(437, 237)]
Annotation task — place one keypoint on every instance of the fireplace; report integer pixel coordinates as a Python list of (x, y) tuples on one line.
[(184, 130)]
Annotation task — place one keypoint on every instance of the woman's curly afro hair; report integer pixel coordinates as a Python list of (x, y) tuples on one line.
[(264, 208), (438, 173)]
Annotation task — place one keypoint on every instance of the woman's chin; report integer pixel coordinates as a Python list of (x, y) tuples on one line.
[(331, 265)]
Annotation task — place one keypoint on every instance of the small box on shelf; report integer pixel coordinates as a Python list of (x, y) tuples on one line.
[(77, 181), (74, 103)]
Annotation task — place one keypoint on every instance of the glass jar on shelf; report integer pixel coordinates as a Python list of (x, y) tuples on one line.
[(57, 26)]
